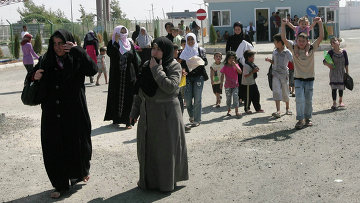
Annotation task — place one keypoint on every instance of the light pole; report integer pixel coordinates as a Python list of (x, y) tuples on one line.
[(72, 20)]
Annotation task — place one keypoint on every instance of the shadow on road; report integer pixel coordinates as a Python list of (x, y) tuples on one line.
[(130, 141), (45, 196), (136, 195), (6, 93), (259, 120), (106, 129), (326, 111), (276, 136), (211, 108)]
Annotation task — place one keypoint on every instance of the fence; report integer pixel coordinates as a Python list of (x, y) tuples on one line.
[(7, 32)]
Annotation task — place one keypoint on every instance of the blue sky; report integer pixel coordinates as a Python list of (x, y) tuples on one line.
[(130, 7)]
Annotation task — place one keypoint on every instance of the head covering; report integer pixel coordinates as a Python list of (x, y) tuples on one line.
[(146, 79), (144, 40), (124, 42), (135, 34), (26, 39), (90, 36), (167, 48), (189, 51), (62, 34)]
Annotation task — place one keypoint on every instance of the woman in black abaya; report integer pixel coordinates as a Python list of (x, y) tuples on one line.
[(65, 121)]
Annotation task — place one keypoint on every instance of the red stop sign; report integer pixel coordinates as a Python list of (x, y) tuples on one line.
[(201, 14)]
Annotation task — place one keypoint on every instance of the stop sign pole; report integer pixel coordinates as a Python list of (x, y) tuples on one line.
[(201, 15)]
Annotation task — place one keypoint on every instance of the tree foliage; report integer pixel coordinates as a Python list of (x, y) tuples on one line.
[(213, 36), (86, 17), (105, 38), (17, 47), (115, 10), (38, 44), (32, 12)]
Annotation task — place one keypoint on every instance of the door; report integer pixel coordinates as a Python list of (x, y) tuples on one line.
[(262, 24), (283, 11)]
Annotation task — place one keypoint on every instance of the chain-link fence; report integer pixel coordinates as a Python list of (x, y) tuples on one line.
[(79, 29)]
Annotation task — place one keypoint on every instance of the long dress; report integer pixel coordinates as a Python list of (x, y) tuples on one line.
[(161, 145), (65, 120), (121, 84), (337, 74)]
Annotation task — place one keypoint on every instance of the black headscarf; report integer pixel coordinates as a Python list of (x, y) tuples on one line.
[(90, 38), (50, 56), (146, 79), (135, 34)]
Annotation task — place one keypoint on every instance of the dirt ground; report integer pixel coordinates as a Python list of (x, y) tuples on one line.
[(253, 159)]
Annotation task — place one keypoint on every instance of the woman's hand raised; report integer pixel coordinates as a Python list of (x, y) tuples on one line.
[(154, 63)]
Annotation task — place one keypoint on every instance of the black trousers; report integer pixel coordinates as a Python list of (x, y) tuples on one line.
[(29, 67), (252, 96)]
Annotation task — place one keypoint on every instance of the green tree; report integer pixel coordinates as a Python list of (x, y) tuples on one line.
[(213, 36), (106, 38), (77, 40), (115, 10), (38, 44), (156, 33), (31, 12), (17, 47), (326, 34), (86, 17), (1, 53)]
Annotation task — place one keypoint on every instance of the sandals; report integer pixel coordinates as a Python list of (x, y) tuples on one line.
[(238, 115), (300, 124), (288, 112), (276, 115), (333, 107), (248, 112), (56, 194), (228, 114), (308, 122), (260, 111), (341, 105)]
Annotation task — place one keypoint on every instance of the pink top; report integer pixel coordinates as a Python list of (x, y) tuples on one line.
[(28, 54), (90, 49), (299, 30), (231, 76)]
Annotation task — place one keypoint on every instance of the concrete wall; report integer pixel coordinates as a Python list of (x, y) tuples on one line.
[(349, 18)]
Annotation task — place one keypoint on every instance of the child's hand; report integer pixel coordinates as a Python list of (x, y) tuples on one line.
[(256, 70), (317, 19), (267, 59), (284, 21), (233, 63)]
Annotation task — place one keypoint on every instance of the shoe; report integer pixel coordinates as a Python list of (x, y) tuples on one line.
[(228, 114), (293, 94), (191, 119), (218, 106), (299, 125), (97, 84), (195, 124), (341, 105), (56, 194), (308, 122), (248, 112), (187, 129), (260, 111), (238, 115), (288, 112), (333, 107), (276, 115)]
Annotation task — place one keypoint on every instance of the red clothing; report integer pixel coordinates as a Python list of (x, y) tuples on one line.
[(231, 76), (90, 49), (278, 20), (290, 65)]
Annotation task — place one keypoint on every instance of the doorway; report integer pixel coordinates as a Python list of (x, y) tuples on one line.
[(262, 24)]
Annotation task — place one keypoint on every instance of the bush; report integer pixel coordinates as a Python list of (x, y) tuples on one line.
[(16, 47), (213, 36), (106, 38), (156, 34), (38, 44), (100, 38), (326, 34), (77, 40), (1, 53)]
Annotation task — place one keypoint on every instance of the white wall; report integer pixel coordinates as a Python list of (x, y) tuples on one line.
[(349, 17)]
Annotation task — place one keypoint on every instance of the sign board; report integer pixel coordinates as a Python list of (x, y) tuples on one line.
[(334, 5), (312, 11), (201, 14)]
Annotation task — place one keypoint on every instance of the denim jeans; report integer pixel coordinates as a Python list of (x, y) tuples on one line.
[(303, 93), (193, 89), (232, 93)]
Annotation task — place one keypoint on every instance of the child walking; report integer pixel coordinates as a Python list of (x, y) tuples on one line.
[(337, 70), (280, 80), (305, 28), (215, 76), (248, 79), (101, 65), (231, 70)]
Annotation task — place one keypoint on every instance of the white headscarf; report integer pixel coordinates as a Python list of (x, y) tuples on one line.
[(244, 46), (124, 42), (189, 51), (144, 40)]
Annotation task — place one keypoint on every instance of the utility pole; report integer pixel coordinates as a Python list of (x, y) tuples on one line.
[(152, 9)]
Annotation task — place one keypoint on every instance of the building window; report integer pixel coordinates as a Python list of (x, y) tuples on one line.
[(327, 15), (220, 18)]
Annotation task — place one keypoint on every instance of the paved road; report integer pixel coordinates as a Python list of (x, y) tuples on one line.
[(252, 159)]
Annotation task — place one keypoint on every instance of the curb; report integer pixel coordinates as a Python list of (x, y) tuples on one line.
[(13, 65)]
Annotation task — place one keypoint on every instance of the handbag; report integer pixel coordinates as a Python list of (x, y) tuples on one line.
[(29, 95), (348, 81), (270, 76)]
